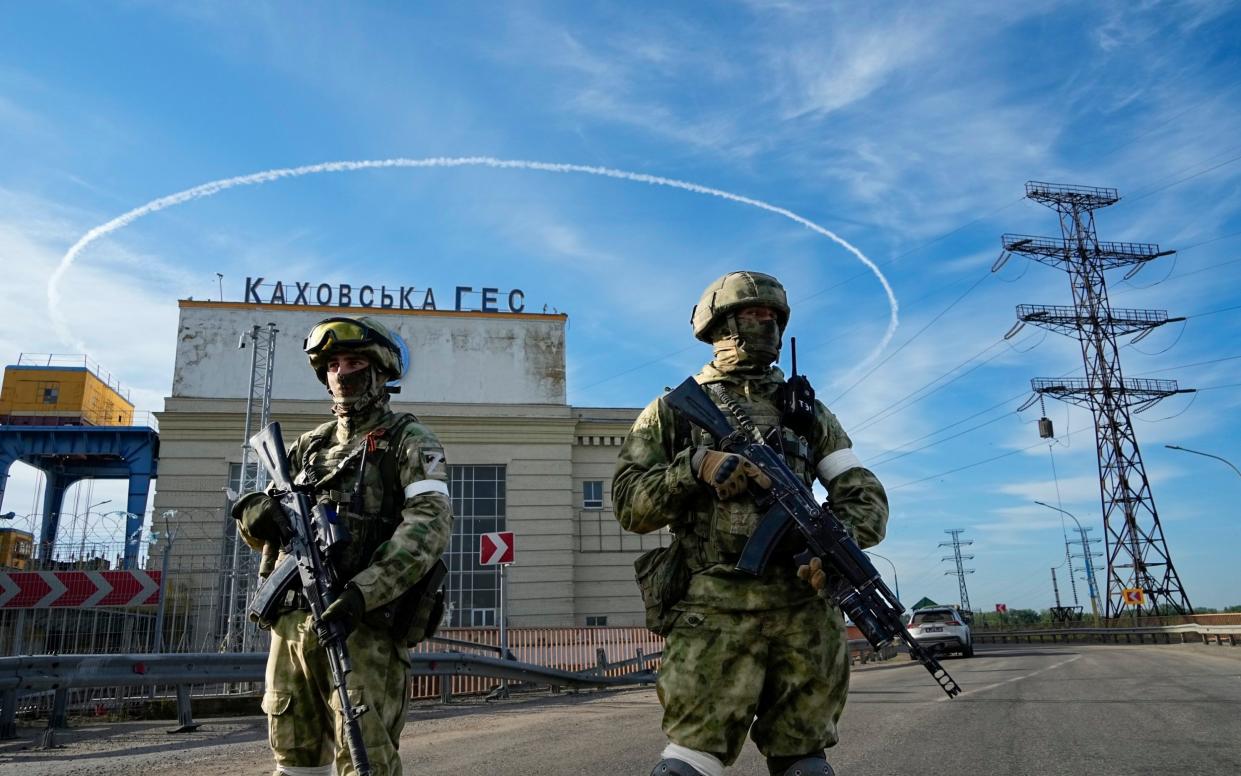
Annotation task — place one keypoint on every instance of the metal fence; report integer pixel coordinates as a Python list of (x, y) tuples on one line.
[(567, 649), (185, 615)]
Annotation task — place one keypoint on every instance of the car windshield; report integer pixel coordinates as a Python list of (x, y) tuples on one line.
[(925, 617)]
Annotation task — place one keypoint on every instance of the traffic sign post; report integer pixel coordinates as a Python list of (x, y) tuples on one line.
[(496, 549)]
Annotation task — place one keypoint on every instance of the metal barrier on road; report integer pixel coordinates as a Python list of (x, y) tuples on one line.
[(58, 674), (1165, 634)]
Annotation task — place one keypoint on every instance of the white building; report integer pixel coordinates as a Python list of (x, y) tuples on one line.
[(492, 387)]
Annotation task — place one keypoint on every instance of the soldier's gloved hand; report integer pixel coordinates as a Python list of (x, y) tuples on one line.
[(260, 516), (730, 474), (814, 574), (347, 610)]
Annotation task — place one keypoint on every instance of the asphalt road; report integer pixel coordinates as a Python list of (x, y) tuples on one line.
[(1097, 710)]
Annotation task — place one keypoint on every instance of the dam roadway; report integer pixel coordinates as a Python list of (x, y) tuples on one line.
[(1026, 709)]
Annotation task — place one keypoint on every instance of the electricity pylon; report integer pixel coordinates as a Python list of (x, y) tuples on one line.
[(956, 544), (1137, 554)]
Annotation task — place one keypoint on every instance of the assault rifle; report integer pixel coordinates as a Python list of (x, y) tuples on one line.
[(853, 583), (311, 534)]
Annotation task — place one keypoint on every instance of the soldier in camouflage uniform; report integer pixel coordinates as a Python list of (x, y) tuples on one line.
[(396, 505), (762, 654)]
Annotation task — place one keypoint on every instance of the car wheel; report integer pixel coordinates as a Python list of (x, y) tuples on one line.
[(968, 651)]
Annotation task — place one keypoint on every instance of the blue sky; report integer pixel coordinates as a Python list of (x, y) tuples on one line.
[(907, 128)]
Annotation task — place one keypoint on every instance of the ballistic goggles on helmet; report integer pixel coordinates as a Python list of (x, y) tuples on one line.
[(343, 333)]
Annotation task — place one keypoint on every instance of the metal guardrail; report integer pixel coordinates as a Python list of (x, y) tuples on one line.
[(58, 674), (61, 673), (1166, 634)]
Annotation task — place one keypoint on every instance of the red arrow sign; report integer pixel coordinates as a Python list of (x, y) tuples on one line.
[(495, 548), (79, 589)]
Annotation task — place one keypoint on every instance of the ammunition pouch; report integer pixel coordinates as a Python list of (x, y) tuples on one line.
[(663, 577), (415, 615)]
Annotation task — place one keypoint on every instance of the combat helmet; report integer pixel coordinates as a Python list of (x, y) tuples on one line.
[(363, 335), (736, 291)]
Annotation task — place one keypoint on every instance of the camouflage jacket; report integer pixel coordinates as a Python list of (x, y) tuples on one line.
[(654, 486), (388, 552)]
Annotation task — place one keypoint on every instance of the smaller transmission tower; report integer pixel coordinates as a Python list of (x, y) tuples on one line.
[(956, 544), (240, 634)]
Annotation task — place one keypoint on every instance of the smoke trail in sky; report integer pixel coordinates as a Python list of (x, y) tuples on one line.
[(215, 187)]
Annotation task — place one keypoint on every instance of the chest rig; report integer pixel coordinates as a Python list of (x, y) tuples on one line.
[(360, 483), (718, 530)]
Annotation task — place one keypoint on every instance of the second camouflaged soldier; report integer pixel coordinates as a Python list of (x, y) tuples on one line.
[(763, 654), (385, 474)]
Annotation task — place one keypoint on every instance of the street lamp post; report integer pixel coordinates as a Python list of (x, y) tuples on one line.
[(1090, 580), (1208, 455), (895, 580), (86, 526)]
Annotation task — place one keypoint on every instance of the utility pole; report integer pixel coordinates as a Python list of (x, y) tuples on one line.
[(239, 632), (1054, 587), (1137, 554), (956, 556)]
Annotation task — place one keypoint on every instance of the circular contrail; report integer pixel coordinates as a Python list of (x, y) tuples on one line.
[(215, 187)]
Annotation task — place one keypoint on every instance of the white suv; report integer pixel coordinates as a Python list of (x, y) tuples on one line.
[(942, 629)]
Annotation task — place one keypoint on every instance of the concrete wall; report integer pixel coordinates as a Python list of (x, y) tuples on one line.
[(603, 557), (487, 358)]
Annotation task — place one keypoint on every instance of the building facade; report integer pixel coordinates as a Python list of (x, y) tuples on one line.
[(492, 387)]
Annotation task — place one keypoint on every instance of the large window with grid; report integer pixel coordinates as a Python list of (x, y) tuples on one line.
[(234, 475), (478, 503)]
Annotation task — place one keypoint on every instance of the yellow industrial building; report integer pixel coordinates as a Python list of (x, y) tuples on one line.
[(53, 395), (16, 548)]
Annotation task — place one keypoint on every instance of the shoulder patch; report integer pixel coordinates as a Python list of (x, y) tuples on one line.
[(431, 461)]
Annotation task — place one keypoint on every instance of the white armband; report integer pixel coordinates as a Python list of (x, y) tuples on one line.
[(426, 486), (836, 464)]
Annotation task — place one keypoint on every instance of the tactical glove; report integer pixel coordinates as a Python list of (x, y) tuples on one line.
[(730, 474), (346, 610), (814, 574), (260, 517)]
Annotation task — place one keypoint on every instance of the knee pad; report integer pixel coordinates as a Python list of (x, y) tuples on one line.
[(304, 770), (810, 766), (682, 761), (672, 767)]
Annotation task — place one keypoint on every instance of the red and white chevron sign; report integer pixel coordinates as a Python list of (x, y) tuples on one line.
[(79, 589), (495, 548)]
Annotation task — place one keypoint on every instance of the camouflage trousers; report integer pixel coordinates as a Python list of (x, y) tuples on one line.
[(304, 724), (781, 674)]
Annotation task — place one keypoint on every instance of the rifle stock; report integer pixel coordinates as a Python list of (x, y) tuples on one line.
[(857, 587)]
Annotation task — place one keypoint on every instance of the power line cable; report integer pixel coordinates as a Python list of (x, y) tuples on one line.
[(917, 334), (1186, 178), (940, 441), (867, 421), (975, 464)]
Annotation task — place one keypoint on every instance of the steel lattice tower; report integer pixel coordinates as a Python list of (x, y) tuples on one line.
[(240, 633), (1137, 555), (961, 571)]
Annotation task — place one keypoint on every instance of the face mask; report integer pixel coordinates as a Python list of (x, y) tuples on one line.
[(755, 346), (357, 391)]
